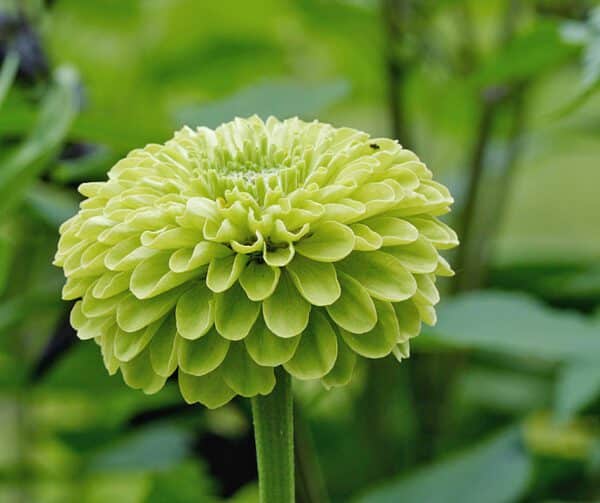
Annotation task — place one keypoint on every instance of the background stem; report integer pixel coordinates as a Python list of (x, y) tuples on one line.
[(274, 435)]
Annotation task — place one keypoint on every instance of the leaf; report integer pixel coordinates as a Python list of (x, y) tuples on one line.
[(527, 55), (58, 111), (281, 99), (496, 471), (513, 324), (8, 72), (578, 384), (51, 204), (155, 448)]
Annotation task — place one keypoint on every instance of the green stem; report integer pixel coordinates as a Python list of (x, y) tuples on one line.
[(274, 435)]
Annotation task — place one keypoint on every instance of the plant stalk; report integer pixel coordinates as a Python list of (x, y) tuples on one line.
[(274, 436)]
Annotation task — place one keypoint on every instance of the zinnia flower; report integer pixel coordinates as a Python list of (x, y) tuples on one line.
[(223, 254)]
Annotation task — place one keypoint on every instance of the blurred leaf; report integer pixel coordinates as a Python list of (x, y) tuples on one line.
[(526, 56), (55, 118), (572, 440), (578, 385), (247, 494), (513, 324), (186, 483), (587, 35), (503, 390), (51, 204), (155, 448), (92, 166), (495, 471), (10, 65), (283, 99)]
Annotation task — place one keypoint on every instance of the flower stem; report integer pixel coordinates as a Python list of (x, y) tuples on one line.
[(274, 435)]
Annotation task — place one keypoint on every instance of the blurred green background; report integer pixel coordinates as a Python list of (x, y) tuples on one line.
[(500, 402)]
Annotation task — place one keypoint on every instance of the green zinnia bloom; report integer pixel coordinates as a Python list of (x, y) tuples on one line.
[(223, 254)]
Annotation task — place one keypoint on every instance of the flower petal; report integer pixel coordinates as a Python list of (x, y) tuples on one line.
[(266, 348), (152, 276), (203, 355), (134, 314), (329, 242), (195, 312), (393, 231), (381, 274), (316, 281), (354, 310), (244, 376), (130, 344), (163, 348), (224, 272), (139, 374), (210, 389), (286, 312), (317, 351), (259, 280), (380, 341), (419, 257), (235, 313), (342, 371)]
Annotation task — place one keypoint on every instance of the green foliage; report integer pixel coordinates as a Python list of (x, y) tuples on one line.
[(496, 471)]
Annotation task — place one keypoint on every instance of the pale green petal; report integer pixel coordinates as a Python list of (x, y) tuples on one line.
[(95, 308), (195, 312), (244, 376), (266, 348), (316, 281), (188, 259), (354, 310), (342, 371), (134, 314), (426, 312), (210, 389), (365, 239), (203, 355), (286, 312), (127, 254), (163, 348), (110, 284), (401, 351), (152, 276), (224, 272), (235, 313), (107, 346), (440, 234), (330, 242), (94, 327), (409, 319), (171, 239), (76, 287), (139, 374), (443, 268), (393, 231), (317, 351), (419, 257), (380, 341), (130, 344), (427, 292), (259, 280), (279, 256), (381, 274)]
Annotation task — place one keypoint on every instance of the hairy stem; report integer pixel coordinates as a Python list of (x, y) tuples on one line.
[(274, 435)]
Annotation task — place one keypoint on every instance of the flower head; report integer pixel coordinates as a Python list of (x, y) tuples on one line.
[(223, 254)]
